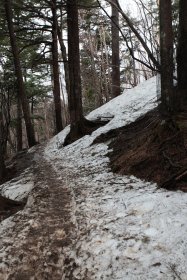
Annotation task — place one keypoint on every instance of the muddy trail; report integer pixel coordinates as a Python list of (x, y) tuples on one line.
[(82, 221), (38, 235)]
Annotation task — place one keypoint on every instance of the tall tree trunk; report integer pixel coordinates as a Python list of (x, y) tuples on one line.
[(75, 96), (65, 59), (166, 55), (2, 163), (182, 51), (19, 125), (56, 80), (19, 75), (115, 51)]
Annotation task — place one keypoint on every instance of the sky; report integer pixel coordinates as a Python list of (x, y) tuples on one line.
[(128, 5)]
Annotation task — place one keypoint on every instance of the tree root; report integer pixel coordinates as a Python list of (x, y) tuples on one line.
[(171, 183), (82, 128)]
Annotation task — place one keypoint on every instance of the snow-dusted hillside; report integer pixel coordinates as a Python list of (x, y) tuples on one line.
[(128, 229), (121, 227)]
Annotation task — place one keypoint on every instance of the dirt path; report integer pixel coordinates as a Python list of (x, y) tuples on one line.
[(32, 247)]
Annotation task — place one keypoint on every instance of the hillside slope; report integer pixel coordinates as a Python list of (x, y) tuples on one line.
[(82, 221)]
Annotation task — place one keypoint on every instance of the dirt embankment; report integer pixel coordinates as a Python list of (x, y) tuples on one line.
[(15, 166), (151, 149)]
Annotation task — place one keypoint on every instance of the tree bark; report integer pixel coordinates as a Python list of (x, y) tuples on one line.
[(75, 96), (166, 56), (115, 51), (2, 163), (55, 66), (19, 75), (65, 59), (19, 125), (182, 51)]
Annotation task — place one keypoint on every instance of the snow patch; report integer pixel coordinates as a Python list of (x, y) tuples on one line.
[(19, 188), (128, 229)]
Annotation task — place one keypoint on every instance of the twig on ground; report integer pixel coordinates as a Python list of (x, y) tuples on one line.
[(173, 269)]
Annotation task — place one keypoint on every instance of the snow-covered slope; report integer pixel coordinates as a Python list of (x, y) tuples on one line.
[(127, 229), (123, 228)]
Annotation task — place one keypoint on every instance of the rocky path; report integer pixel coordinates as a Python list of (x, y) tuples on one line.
[(32, 245)]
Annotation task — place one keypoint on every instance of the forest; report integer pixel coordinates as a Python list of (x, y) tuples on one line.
[(49, 80), (93, 136)]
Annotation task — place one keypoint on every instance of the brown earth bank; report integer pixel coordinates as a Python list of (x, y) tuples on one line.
[(18, 163), (151, 149), (14, 166), (9, 207)]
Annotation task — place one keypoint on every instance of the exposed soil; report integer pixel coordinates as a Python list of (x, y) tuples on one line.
[(9, 207), (151, 149), (15, 166), (82, 128), (18, 163), (40, 233)]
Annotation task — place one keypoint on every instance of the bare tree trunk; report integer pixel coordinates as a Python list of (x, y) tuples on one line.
[(65, 59), (56, 81), (166, 54), (136, 33), (182, 51), (19, 125), (19, 75), (2, 163), (115, 52), (75, 96)]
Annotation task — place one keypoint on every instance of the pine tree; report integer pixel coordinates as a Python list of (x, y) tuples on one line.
[(19, 75), (115, 50), (166, 54), (182, 52)]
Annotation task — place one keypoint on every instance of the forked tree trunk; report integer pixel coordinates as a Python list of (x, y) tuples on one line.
[(75, 96), (166, 55), (19, 75), (182, 52), (55, 66), (115, 51)]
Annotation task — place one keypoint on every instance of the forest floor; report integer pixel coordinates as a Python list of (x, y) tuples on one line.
[(83, 220)]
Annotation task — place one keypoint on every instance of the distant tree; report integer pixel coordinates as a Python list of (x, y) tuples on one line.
[(5, 119), (137, 33)]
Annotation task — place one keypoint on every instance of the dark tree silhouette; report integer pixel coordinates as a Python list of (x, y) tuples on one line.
[(115, 50), (55, 66), (19, 75), (166, 55), (182, 52)]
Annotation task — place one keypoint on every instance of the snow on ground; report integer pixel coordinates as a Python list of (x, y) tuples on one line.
[(127, 229), (19, 188)]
